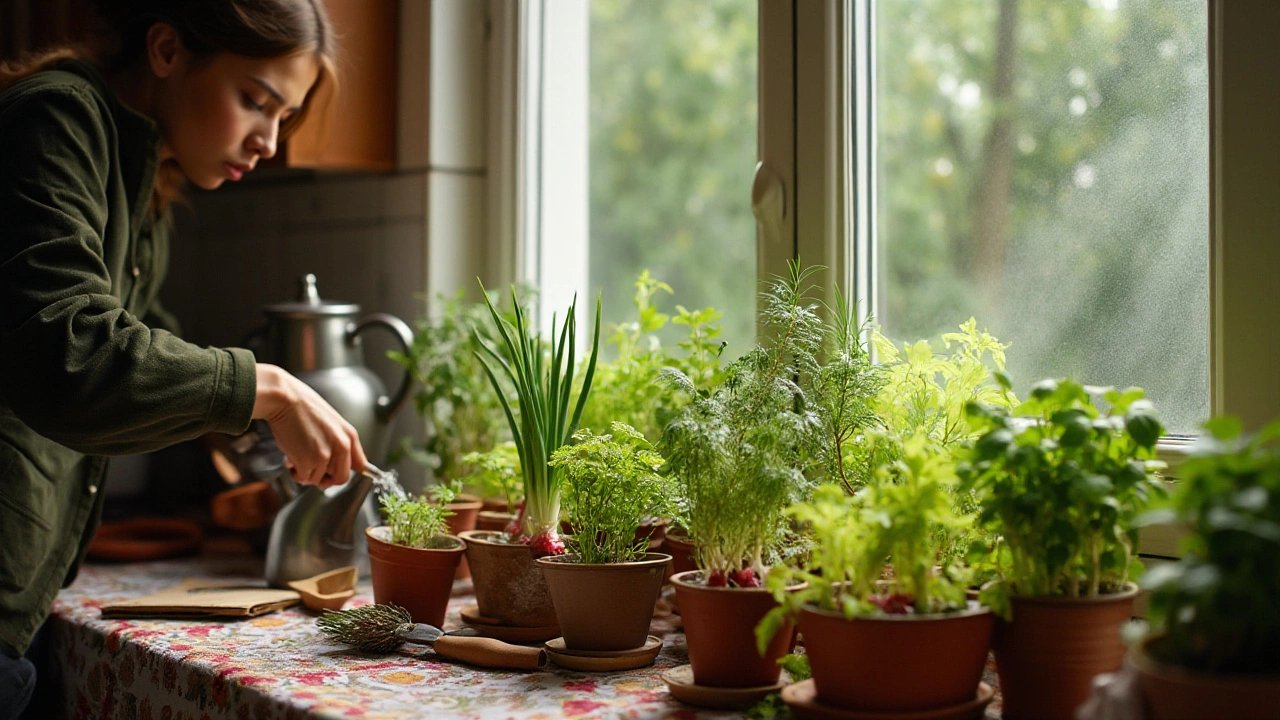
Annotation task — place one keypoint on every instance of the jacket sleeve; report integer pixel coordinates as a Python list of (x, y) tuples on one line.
[(74, 365)]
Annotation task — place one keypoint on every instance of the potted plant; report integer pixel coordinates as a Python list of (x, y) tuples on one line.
[(495, 475), (458, 406), (1215, 649), (1060, 481), (412, 559), (509, 586), (605, 588), (737, 455), (886, 628)]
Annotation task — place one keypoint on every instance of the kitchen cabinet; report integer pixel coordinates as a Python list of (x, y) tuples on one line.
[(357, 130)]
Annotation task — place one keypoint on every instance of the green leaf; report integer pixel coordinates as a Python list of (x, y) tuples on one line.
[(1224, 427)]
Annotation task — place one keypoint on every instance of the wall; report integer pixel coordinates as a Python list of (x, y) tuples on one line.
[(245, 245)]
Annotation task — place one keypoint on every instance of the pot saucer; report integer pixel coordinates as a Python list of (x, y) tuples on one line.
[(680, 683), (492, 628), (603, 661), (802, 698)]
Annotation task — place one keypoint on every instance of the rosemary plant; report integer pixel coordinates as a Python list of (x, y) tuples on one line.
[(542, 421)]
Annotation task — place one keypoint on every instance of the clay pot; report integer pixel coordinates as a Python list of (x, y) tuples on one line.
[(493, 521), (1047, 656), (1170, 692), (720, 629), (678, 545), (604, 607), (495, 504), (465, 509), (896, 663), (509, 586), (417, 579)]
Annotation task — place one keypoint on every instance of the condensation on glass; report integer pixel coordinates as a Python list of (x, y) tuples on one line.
[(673, 113), (1042, 165)]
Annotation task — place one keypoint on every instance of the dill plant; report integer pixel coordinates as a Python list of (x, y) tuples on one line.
[(611, 485), (738, 453)]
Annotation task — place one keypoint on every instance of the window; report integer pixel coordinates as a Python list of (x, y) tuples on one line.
[(642, 137), (1043, 166), (1084, 206)]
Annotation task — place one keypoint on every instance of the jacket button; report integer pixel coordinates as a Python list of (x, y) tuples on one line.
[(136, 271), (93, 489)]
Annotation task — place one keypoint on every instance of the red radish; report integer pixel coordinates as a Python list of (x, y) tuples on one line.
[(717, 578), (544, 543), (893, 604), (745, 578)]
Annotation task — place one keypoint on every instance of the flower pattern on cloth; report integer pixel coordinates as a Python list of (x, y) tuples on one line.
[(280, 665)]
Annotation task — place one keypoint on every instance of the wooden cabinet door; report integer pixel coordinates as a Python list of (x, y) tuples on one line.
[(357, 129)]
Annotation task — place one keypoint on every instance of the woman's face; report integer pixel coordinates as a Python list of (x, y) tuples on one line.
[(219, 117)]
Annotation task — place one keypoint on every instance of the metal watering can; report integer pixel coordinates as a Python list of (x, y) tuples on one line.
[(318, 341)]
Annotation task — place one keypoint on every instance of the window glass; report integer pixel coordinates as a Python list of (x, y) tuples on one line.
[(1042, 165), (672, 152)]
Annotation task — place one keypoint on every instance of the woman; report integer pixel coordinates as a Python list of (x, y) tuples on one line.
[(93, 147)]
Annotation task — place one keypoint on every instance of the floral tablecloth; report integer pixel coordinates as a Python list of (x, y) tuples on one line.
[(280, 666)]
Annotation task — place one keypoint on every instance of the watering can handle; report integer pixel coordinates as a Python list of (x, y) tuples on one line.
[(388, 406)]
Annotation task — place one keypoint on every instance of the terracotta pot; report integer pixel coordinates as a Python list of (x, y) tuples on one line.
[(720, 629), (1170, 692), (492, 521), (604, 607), (509, 586), (495, 504), (465, 510), (678, 545), (896, 663), (418, 580), (1047, 656)]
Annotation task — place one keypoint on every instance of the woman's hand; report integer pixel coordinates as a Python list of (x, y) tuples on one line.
[(321, 447)]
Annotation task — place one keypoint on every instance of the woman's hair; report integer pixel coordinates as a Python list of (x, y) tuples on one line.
[(250, 28)]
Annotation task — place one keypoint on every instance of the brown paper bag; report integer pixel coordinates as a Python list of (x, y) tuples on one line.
[(203, 598)]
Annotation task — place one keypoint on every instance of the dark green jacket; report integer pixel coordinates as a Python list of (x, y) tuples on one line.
[(85, 371)]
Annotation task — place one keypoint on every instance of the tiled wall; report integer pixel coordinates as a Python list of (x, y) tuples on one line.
[(246, 245)]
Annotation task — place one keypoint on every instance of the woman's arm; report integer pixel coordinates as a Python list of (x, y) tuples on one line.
[(322, 447)]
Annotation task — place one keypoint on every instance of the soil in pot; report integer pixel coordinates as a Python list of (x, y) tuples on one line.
[(719, 626), (1047, 656), (897, 663), (465, 509), (1170, 692), (418, 580), (509, 587), (604, 607)]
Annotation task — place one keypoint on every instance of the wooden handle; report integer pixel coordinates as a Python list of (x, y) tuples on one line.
[(490, 653)]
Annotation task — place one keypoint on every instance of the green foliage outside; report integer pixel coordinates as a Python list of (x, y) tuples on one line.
[(420, 522), (672, 150), (1061, 481), (611, 487), (626, 388), (1052, 180), (1217, 606)]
